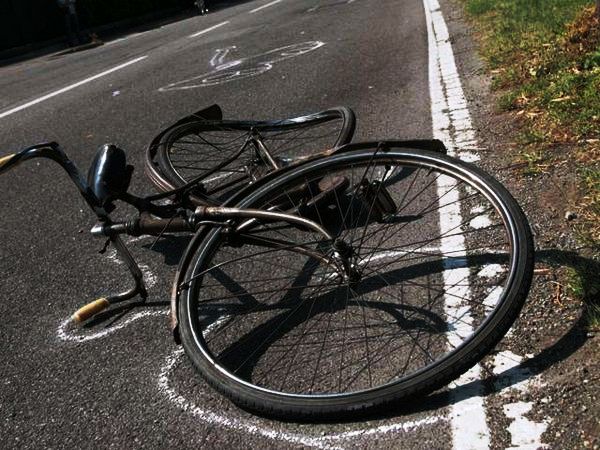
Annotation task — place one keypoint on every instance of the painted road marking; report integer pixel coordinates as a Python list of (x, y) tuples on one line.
[(241, 68), (70, 87), (124, 38), (264, 6), (214, 27), (511, 375), (452, 124), (449, 110)]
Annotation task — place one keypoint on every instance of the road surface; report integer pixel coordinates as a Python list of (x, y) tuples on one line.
[(123, 382)]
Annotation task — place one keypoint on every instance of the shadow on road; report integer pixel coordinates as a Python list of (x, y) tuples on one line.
[(172, 248), (560, 350)]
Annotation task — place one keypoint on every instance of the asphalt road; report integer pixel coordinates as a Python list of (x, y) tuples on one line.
[(122, 382)]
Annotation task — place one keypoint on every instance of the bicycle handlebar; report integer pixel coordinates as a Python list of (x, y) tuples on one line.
[(5, 161), (52, 150)]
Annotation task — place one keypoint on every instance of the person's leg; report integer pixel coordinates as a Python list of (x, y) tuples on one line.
[(71, 38), (77, 31)]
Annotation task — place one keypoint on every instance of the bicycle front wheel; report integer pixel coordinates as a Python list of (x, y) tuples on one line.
[(223, 155), (435, 265)]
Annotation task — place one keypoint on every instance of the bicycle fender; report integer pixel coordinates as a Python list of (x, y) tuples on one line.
[(434, 145), (182, 269), (213, 112)]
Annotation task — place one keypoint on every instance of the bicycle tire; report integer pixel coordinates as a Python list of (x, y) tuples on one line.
[(496, 262), (187, 150)]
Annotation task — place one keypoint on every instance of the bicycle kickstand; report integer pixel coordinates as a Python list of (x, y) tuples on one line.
[(98, 305)]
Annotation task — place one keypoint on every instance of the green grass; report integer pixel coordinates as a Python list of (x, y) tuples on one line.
[(543, 63), (514, 19), (544, 57)]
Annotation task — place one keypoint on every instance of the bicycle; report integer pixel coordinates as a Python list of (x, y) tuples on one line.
[(332, 285)]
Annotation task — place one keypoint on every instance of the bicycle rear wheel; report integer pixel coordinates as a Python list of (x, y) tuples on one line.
[(441, 261), (221, 154)]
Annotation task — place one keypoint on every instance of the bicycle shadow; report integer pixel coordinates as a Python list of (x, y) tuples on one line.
[(491, 384), (172, 247)]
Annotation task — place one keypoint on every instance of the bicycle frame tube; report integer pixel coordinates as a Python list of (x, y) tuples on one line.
[(224, 213)]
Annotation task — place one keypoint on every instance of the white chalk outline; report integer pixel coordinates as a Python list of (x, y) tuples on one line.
[(253, 427), (65, 334)]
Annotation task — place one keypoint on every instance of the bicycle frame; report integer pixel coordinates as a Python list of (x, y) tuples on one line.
[(182, 215), (172, 218)]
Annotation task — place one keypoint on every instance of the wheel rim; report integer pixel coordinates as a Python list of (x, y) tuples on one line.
[(289, 327)]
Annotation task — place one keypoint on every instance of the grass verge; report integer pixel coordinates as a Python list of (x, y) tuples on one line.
[(544, 56)]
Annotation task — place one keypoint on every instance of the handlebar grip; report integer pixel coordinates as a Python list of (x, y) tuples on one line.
[(6, 159), (89, 310)]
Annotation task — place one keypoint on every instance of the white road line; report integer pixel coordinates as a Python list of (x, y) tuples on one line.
[(70, 87), (264, 6), (452, 124), (525, 433), (214, 27)]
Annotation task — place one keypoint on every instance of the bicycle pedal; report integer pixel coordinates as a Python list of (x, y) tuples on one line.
[(377, 199)]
